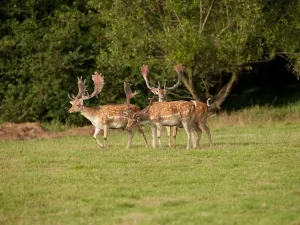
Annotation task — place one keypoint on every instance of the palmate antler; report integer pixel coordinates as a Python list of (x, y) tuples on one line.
[(144, 72), (81, 89), (180, 70), (98, 84), (128, 92), (98, 80), (155, 90)]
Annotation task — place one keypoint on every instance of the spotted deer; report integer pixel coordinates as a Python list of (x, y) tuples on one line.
[(201, 112), (106, 116), (175, 113), (162, 93)]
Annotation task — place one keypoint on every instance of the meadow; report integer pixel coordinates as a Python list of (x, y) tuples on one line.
[(251, 175)]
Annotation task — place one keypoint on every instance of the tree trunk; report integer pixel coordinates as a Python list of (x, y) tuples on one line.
[(220, 97), (189, 84), (224, 92)]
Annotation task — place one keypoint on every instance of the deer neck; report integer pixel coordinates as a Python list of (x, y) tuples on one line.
[(161, 99), (144, 115), (89, 113)]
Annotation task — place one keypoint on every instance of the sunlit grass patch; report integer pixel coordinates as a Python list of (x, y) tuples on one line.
[(258, 115), (249, 176)]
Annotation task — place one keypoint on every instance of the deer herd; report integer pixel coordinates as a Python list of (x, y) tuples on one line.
[(190, 115)]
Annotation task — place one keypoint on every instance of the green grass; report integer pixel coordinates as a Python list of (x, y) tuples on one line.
[(250, 176), (259, 115)]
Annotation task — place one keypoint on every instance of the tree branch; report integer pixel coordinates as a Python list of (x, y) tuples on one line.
[(219, 34), (287, 59), (252, 62), (212, 2), (224, 92), (179, 22), (200, 20), (188, 83), (160, 16)]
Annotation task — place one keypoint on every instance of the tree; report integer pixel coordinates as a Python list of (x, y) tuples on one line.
[(45, 45), (213, 39)]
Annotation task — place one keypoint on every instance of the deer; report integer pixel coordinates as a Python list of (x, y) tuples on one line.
[(201, 112), (107, 116), (174, 113), (200, 121), (161, 93)]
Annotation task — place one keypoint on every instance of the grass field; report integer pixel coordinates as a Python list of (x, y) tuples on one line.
[(250, 176)]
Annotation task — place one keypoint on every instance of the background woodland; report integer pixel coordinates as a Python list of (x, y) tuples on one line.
[(236, 52)]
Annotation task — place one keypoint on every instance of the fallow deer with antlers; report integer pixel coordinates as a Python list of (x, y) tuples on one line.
[(201, 112), (175, 113), (162, 92), (106, 116)]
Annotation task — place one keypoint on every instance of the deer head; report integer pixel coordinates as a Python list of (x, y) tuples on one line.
[(134, 117), (77, 101), (162, 92)]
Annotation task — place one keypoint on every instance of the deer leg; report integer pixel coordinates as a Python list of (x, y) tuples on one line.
[(197, 136), (159, 128), (193, 137), (187, 129), (153, 131), (169, 136), (105, 128), (141, 132), (207, 130), (175, 130), (130, 136), (95, 136)]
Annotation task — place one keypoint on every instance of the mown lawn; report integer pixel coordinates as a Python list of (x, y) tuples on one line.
[(250, 176)]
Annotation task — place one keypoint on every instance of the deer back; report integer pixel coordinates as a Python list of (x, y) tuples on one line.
[(111, 115), (184, 109), (116, 110)]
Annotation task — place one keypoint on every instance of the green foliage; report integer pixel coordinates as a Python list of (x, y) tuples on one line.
[(45, 45), (40, 60), (211, 38)]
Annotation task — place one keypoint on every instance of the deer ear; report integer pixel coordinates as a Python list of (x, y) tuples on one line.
[(71, 102)]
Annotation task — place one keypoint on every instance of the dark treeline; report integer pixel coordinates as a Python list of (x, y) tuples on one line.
[(245, 51)]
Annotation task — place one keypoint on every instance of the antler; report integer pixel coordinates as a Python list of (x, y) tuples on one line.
[(98, 80), (151, 101), (145, 110), (145, 71), (180, 70), (81, 89), (128, 92), (98, 85)]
